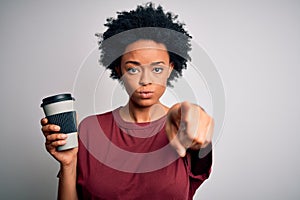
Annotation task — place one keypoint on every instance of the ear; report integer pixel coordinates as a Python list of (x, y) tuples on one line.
[(171, 67), (118, 70)]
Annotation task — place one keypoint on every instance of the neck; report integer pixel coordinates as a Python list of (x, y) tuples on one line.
[(132, 113)]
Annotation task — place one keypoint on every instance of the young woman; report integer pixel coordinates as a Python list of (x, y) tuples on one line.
[(128, 153)]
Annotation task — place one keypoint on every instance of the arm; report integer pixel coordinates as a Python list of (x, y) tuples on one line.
[(67, 159), (67, 182), (201, 161)]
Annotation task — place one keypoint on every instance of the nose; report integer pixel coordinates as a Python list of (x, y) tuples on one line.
[(145, 78)]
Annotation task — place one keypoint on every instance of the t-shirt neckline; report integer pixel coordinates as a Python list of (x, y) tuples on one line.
[(134, 125)]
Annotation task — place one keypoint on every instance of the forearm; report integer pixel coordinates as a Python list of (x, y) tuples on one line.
[(67, 182), (201, 160)]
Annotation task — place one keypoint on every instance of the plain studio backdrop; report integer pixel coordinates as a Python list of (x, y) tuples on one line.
[(255, 46)]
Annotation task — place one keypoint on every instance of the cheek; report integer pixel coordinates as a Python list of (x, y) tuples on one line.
[(160, 90), (160, 80), (130, 84)]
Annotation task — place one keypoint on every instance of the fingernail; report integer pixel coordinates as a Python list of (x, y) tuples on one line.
[(181, 152), (57, 128), (64, 136), (62, 142)]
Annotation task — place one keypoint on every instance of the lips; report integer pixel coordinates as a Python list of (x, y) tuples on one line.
[(145, 94)]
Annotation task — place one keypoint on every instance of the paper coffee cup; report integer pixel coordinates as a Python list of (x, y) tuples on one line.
[(59, 110)]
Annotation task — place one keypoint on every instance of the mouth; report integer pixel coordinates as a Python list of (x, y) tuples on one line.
[(145, 94)]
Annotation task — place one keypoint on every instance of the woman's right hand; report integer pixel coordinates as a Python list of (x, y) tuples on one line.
[(55, 139)]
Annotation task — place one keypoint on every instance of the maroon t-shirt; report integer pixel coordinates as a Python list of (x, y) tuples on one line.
[(123, 160)]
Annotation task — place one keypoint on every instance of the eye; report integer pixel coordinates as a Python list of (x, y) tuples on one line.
[(132, 70), (157, 70)]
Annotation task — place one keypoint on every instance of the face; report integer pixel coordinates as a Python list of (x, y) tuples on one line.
[(145, 69)]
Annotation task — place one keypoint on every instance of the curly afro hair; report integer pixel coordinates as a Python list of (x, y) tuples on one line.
[(149, 23)]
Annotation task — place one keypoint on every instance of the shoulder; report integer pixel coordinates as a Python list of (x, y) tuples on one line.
[(92, 119)]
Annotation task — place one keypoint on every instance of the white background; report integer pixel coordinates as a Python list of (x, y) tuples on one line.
[(255, 45)]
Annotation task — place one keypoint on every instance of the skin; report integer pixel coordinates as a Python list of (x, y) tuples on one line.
[(145, 69)]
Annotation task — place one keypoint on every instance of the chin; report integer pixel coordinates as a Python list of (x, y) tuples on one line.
[(144, 103)]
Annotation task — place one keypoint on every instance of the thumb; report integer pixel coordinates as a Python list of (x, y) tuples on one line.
[(175, 143)]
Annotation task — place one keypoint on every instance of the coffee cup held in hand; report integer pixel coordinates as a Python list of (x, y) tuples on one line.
[(59, 110)]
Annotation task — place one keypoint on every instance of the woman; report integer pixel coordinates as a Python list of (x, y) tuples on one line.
[(143, 126)]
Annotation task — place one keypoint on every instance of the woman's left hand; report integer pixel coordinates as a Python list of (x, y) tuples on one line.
[(188, 126)]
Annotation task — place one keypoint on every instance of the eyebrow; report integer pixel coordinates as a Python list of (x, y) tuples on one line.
[(137, 63)]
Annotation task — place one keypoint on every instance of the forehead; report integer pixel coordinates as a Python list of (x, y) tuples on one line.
[(146, 51)]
